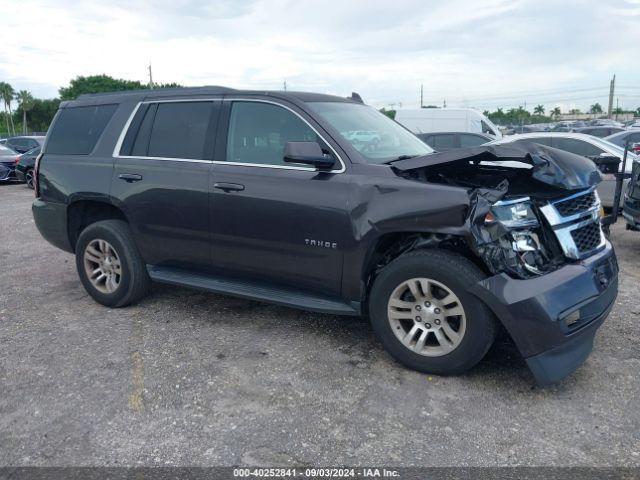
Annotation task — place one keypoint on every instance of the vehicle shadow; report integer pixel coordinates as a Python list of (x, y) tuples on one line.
[(502, 366)]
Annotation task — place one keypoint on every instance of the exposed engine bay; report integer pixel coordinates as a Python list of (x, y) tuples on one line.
[(532, 208)]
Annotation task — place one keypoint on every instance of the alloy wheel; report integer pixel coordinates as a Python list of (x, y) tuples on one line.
[(427, 317), (102, 266)]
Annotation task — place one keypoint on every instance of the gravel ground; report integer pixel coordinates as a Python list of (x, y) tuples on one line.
[(191, 378)]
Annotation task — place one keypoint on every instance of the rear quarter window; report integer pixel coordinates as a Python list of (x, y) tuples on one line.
[(77, 129)]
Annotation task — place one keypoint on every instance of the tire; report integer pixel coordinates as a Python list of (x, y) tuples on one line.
[(28, 178), (474, 329), (122, 263)]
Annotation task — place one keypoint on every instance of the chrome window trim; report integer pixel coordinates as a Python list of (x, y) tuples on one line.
[(123, 133)]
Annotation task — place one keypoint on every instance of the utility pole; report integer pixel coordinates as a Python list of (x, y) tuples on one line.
[(617, 107), (150, 77), (444, 103), (284, 85), (421, 96), (612, 89)]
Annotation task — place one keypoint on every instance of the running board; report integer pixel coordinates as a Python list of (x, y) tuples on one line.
[(253, 290)]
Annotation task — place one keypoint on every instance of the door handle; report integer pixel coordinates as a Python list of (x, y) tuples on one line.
[(229, 187), (130, 177)]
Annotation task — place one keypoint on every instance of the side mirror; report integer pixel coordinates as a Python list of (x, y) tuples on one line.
[(607, 163), (308, 153)]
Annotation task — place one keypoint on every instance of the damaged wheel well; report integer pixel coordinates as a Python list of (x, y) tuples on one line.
[(393, 245)]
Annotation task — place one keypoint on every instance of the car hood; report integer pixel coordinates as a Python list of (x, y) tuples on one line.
[(548, 165)]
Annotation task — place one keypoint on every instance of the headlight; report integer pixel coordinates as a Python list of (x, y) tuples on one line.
[(513, 213)]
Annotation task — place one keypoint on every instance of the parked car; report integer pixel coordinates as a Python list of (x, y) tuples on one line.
[(527, 129), (24, 143), (631, 208), (620, 138), (26, 165), (8, 159), (263, 195), (581, 144), (430, 120), (599, 132), (443, 141)]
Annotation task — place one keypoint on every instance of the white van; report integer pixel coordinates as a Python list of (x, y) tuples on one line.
[(427, 120)]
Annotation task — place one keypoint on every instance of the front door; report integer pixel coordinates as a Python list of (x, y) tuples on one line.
[(271, 220)]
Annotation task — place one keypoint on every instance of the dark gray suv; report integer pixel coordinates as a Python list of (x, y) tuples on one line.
[(281, 197)]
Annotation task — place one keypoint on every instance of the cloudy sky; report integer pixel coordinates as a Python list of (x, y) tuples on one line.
[(480, 54)]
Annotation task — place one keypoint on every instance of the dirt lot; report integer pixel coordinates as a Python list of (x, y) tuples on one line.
[(191, 378)]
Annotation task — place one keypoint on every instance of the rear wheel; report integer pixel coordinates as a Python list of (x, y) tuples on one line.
[(424, 316), (109, 265), (28, 178)]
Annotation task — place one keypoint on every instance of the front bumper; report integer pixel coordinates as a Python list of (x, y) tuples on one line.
[(7, 172), (553, 318)]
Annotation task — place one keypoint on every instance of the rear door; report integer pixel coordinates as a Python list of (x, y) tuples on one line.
[(271, 220), (161, 180)]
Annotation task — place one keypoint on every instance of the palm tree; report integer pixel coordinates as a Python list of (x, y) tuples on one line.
[(6, 94), (25, 100), (556, 112), (539, 110)]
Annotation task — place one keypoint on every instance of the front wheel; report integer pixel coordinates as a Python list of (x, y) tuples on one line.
[(422, 313), (109, 265)]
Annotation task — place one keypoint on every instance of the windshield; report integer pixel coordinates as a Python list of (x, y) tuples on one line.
[(377, 137)]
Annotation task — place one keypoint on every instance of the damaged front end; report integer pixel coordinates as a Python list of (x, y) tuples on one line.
[(531, 208), (534, 220)]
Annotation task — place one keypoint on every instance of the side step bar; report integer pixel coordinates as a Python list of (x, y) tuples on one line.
[(253, 290)]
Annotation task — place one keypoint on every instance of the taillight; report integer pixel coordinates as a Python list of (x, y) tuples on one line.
[(17, 160), (36, 176)]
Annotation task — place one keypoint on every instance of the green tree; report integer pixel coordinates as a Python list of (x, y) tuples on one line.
[(595, 109), (575, 111), (389, 113), (40, 115), (555, 113), (25, 101), (539, 110), (6, 93), (97, 84), (104, 83)]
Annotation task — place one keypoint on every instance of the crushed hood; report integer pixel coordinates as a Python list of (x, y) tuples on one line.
[(548, 165)]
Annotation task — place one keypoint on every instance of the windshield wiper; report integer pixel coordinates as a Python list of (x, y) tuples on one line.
[(401, 157)]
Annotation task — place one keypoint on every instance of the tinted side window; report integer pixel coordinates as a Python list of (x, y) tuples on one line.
[(76, 130), (578, 147), (471, 140), (180, 130), (486, 128), (258, 133), (443, 142)]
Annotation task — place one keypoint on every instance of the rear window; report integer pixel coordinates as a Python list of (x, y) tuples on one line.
[(171, 130), (77, 130)]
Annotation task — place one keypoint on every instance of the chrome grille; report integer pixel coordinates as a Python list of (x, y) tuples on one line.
[(586, 238), (576, 223), (574, 205)]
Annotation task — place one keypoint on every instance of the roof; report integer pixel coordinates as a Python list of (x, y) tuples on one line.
[(96, 98)]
